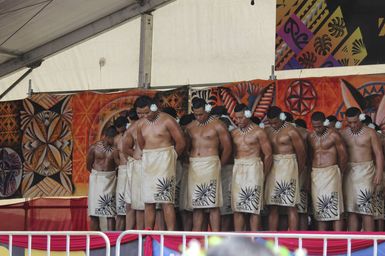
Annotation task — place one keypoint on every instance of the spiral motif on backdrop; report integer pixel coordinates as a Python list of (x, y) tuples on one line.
[(301, 97), (10, 172)]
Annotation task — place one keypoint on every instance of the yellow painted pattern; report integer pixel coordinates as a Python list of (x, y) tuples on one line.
[(327, 39), (353, 51), (381, 27)]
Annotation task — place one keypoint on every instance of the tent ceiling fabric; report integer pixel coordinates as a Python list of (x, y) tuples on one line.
[(28, 25)]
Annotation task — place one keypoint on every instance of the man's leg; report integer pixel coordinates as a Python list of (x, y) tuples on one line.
[(353, 224), (169, 216), (139, 219), (187, 220), (120, 222), (338, 225), (198, 219), (239, 221), (273, 218), (226, 222), (159, 219), (255, 222), (94, 223), (379, 225), (368, 223), (149, 216), (322, 225), (303, 221), (206, 220), (110, 223), (215, 219), (292, 215), (130, 217)]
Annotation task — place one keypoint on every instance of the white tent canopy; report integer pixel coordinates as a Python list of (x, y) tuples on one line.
[(194, 42)]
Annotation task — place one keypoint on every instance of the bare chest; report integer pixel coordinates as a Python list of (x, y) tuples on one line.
[(154, 130), (203, 133)]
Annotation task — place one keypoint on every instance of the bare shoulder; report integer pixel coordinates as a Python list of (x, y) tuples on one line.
[(259, 131), (372, 133), (218, 124), (234, 132), (190, 126), (335, 135), (165, 116), (291, 130)]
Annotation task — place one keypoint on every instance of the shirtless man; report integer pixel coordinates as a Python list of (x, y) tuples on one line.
[(135, 164), (157, 134), (209, 139), (361, 177), (304, 180), (102, 182), (184, 208), (282, 186), (329, 159), (378, 193), (121, 207), (302, 206), (249, 171)]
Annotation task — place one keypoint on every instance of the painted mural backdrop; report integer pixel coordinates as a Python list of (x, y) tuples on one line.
[(333, 95), (258, 95), (44, 139), (329, 33)]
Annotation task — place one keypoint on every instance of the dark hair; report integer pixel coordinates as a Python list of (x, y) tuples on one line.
[(132, 114), (377, 127), (301, 123), (171, 111), (368, 120), (198, 103), (255, 120), (143, 101), (352, 112), (332, 118), (110, 131), (318, 116), (218, 111), (121, 121), (289, 117), (240, 107), (273, 112), (186, 119)]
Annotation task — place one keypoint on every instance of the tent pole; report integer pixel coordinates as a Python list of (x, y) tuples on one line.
[(26, 73), (145, 57)]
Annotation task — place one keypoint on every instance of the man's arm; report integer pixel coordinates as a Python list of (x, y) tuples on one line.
[(341, 152), (90, 158), (128, 144), (225, 142), (267, 151), (186, 151), (139, 137), (299, 148), (177, 135), (379, 155)]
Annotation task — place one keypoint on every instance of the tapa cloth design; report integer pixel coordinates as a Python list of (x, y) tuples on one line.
[(159, 175), (326, 190), (204, 182), (101, 194), (282, 186), (247, 185)]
